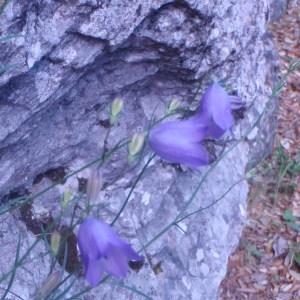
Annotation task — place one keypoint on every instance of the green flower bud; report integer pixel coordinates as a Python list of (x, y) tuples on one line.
[(94, 185), (55, 241), (66, 198), (49, 285), (115, 110), (173, 105), (136, 145)]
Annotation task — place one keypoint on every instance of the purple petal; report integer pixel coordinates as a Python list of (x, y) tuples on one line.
[(93, 272), (116, 262), (215, 131), (194, 129), (105, 235), (94, 237), (177, 148), (236, 102), (216, 103), (130, 253), (86, 237), (102, 250), (179, 141)]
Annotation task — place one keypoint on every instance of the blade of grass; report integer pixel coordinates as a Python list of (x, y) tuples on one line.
[(5, 2), (131, 288), (132, 188), (14, 269)]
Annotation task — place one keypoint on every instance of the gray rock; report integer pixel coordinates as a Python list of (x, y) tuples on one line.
[(73, 59)]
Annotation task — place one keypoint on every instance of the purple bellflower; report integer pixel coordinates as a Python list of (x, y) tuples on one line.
[(179, 141), (215, 109), (102, 250)]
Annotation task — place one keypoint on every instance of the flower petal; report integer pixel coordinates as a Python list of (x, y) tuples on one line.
[(193, 129), (130, 253), (215, 131), (102, 250), (179, 141), (236, 102), (105, 235), (116, 262), (86, 237), (178, 150), (93, 272), (216, 103)]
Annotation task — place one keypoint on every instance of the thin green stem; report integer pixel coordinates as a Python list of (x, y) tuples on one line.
[(5, 2), (131, 190), (187, 204), (14, 269), (211, 204), (130, 288)]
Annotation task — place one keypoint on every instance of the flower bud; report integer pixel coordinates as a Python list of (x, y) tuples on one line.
[(49, 285), (136, 145), (94, 185), (55, 241), (66, 198), (173, 105), (115, 110)]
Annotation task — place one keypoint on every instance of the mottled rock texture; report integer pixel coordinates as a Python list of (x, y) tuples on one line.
[(73, 59)]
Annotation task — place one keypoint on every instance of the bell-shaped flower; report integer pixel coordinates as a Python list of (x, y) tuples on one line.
[(179, 142), (215, 110), (102, 250)]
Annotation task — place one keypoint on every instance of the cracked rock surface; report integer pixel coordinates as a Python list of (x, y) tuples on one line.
[(72, 59)]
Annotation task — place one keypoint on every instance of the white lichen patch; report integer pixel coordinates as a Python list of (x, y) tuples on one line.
[(146, 198), (187, 282), (242, 210), (215, 254), (127, 192), (252, 135), (204, 269), (199, 254), (193, 268)]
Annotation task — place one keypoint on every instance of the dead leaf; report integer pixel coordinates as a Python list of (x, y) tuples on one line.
[(280, 247)]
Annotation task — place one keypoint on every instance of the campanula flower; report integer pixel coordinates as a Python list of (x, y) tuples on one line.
[(102, 250), (179, 142), (215, 110)]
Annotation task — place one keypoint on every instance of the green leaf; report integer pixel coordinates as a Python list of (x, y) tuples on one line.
[(288, 216), (293, 225), (297, 259)]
